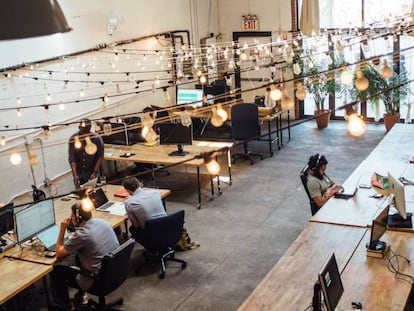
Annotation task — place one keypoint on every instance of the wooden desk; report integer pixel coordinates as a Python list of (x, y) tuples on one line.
[(289, 285), (159, 155), (369, 281), (17, 275)]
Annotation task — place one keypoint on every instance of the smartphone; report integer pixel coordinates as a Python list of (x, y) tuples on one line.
[(365, 186)]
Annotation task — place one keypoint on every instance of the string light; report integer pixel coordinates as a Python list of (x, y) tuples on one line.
[(346, 76), (275, 93), (90, 147), (356, 126), (185, 118), (361, 82), (81, 93), (212, 166), (61, 105), (2, 140), (19, 113), (77, 143), (222, 113), (300, 91), (386, 71), (15, 158)]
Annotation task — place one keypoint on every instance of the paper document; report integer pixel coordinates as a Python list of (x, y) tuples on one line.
[(117, 209)]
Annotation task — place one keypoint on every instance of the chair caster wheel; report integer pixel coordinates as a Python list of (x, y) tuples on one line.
[(184, 265), (161, 275)]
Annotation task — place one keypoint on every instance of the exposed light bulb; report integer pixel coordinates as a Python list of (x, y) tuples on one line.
[(81, 93), (77, 143), (19, 112), (296, 69), (15, 158), (18, 100), (346, 76), (149, 134), (361, 82), (300, 92), (275, 94), (215, 119), (386, 71), (185, 118), (356, 126), (61, 106), (222, 113), (33, 159), (49, 97), (203, 79), (2, 140), (90, 147), (106, 98), (87, 204), (243, 56), (212, 166), (107, 128)]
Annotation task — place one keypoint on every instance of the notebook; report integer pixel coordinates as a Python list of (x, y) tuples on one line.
[(101, 202), (49, 236), (348, 191)]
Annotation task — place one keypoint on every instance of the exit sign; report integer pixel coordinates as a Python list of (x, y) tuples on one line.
[(250, 23)]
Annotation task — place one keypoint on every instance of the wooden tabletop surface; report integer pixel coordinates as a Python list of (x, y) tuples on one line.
[(16, 275), (289, 285), (158, 154)]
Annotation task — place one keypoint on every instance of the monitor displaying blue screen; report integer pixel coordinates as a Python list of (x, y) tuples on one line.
[(190, 96), (33, 219)]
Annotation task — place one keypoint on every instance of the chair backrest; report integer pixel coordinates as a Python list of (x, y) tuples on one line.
[(244, 121), (163, 232), (114, 270), (304, 178)]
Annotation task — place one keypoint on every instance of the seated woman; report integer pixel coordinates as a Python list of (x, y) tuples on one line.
[(320, 186)]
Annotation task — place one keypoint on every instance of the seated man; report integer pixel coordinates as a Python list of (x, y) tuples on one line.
[(143, 204), (321, 187), (92, 240)]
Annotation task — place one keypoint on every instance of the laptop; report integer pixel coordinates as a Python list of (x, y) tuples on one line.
[(49, 236), (349, 190), (100, 200)]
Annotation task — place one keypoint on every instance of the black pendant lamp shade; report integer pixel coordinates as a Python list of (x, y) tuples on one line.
[(31, 18)]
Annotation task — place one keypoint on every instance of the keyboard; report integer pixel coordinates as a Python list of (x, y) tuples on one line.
[(105, 206)]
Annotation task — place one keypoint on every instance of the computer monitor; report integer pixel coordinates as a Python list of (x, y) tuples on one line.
[(33, 219), (379, 226), (330, 284), (190, 96), (176, 134), (123, 134), (6, 220), (397, 200)]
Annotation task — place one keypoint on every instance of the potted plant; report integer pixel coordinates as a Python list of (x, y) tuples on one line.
[(319, 81), (391, 92), (319, 84)]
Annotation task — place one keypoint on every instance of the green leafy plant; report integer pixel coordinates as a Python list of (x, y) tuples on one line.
[(391, 92), (320, 82)]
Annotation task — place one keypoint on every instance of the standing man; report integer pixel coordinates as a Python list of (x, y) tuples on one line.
[(143, 204), (92, 240), (86, 153)]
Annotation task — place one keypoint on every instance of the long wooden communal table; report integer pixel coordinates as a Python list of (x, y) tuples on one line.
[(392, 154), (289, 284), (17, 275), (340, 226), (159, 155), (22, 266), (368, 280)]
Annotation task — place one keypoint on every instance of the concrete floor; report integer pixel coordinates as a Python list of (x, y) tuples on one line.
[(245, 231)]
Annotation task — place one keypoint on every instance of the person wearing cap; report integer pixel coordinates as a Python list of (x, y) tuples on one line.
[(321, 187), (92, 240), (86, 153)]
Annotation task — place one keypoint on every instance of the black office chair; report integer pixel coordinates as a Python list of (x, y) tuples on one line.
[(245, 125), (113, 273), (160, 236), (304, 178)]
